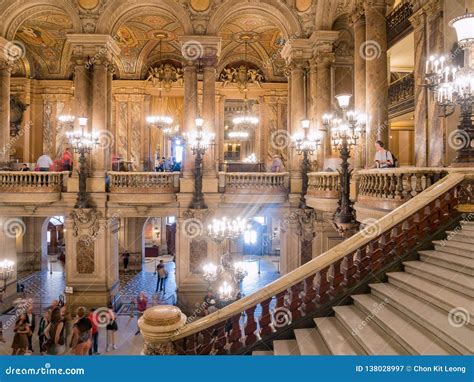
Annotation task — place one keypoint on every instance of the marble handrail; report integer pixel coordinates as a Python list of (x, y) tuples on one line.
[(238, 182), (398, 184), (31, 181), (324, 184), (143, 182), (323, 279)]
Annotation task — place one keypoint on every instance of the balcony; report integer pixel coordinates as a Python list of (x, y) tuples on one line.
[(31, 187), (398, 22), (254, 187), (323, 190), (380, 191), (152, 187), (401, 96)]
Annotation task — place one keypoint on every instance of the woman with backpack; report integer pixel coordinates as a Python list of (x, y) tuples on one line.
[(54, 333), (81, 333)]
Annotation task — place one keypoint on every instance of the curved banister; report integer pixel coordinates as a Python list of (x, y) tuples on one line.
[(330, 257)]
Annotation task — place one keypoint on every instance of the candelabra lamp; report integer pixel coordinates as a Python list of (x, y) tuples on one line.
[(83, 143), (200, 142), (453, 86), (305, 144), (345, 131), (7, 269)]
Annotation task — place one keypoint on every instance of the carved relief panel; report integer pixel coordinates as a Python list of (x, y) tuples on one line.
[(197, 255), (85, 262)]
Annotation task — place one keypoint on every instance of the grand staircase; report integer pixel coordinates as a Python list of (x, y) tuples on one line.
[(428, 309)]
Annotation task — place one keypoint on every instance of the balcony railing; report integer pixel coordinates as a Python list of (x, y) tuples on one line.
[(144, 182), (31, 181), (254, 182), (324, 184), (398, 22), (401, 96)]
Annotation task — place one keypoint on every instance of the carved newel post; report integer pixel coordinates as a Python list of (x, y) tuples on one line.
[(157, 325)]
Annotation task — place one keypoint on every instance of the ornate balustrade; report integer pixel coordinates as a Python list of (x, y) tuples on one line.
[(323, 190), (318, 283), (398, 22), (401, 96), (144, 182), (254, 182), (31, 181)]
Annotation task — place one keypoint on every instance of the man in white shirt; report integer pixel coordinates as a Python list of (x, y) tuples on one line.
[(44, 162), (383, 158)]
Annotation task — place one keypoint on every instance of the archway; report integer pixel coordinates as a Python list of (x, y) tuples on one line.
[(53, 246)]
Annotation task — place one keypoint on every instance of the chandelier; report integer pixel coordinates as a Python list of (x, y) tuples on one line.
[(223, 229), (199, 140), (238, 135), (306, 141), (81, 141)]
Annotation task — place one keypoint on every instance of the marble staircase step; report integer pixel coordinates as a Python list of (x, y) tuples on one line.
[(456, 281), (435, 294), (461, 236), (414, 338), (455, 247), (338, 340), (285, 347), (263, 352), (310, 342), (432, 318), (448, 260), (367, 333)]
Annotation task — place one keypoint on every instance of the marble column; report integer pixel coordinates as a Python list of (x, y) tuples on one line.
[(436, 141), (375, 55), (324, 60), (418, 20), (190, 113), (100, 112), (358, 21), (11, 229), (5, 72), (209, 112), (312, 107)]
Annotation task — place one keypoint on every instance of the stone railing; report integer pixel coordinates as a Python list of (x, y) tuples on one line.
[(303, 292), (398, 22), (143, 182), (324, 184), (31, 181), (395, 184), (254, 182), (401, 95)]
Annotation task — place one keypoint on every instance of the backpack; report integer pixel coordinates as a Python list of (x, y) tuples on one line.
[(395, 160)]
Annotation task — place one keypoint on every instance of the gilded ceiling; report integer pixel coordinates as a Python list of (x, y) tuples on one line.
[(138, 27)]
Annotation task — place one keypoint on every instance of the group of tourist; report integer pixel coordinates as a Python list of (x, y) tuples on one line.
[(58, 333), (45, 163), (167, 164)]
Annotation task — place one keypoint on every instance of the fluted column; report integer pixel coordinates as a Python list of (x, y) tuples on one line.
[(5, 72), (209, 112), (375, 54), (190, 113), (358, 21), (324, 60), (99, 112)]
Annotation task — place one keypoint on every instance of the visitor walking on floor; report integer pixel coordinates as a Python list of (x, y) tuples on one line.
[(54, 333), (162, 276), (43, 323), (142, 303), (111, 328), (81, 334), (20, 339), (94, 349), (31, 321)]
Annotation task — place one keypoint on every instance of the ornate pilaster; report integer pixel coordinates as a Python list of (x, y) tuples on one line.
[(375, 55)]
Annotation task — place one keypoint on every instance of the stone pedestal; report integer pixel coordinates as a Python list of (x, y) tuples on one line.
[(91, 258), (157, 325)]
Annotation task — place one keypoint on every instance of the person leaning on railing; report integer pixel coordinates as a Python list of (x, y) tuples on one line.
[(383, 158)]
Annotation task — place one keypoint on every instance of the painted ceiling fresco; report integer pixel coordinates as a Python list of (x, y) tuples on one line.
[(145, 32), (44, 36)]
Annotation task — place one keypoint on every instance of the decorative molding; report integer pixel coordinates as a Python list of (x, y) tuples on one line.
[(86, 220)]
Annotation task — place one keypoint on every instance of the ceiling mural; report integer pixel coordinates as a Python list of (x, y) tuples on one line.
[(144, 32), (44, 36), (266, 40)]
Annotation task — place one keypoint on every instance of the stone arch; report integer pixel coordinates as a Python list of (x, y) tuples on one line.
[(279, 14), (121, 10)]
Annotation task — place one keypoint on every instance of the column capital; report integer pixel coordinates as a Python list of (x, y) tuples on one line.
[(358, 16), (296, 51), (324, 58), (377, 6), (205, 48), (92, 48), (9, 53), (417, 20)]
